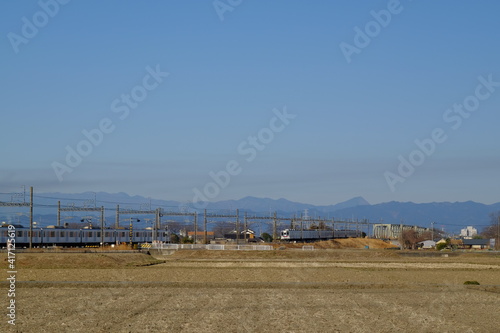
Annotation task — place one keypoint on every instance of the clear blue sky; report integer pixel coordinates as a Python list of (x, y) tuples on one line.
[(353, 119)]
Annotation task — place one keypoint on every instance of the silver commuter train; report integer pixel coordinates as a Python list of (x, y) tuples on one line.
[(317, 234), (60, 236)]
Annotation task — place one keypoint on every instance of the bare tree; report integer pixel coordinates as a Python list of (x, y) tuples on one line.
[(221, 228), (175, 227), (410, 238), (493, 230)]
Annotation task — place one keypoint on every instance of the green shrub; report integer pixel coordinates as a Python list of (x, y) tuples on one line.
[(440, 246), (472, 282), (186, 240), (175, 239), (266, 237)]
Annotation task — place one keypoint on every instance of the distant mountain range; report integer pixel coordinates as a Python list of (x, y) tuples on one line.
[(450, 216), (263, 205)]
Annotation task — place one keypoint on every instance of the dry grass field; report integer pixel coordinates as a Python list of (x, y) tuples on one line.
[(269, 291)]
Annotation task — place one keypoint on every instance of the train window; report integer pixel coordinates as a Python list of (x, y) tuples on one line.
[(71, 234), (98, 234), (19, 234), (137, 234), (90, 233), (52, 234), (106, 234), (62, 233), (123, 234)]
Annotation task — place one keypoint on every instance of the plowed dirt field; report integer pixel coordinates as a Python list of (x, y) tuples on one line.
[(269, 291)]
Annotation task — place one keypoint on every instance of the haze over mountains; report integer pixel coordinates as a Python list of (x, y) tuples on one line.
[(450, 216)]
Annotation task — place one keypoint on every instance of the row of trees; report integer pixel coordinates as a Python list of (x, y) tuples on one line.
[(493, 230), (409, 238)]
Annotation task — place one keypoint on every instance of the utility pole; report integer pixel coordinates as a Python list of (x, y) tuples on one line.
[(237, 226), (23, 204), (157, 224), (432, 231), (31, 217), (195, 227), (130, 233), (59, 213), (498, 234), (159, 215), (302, 225), (205, 240), (102, 226), (117, 220), (245, 228), (274, 227)]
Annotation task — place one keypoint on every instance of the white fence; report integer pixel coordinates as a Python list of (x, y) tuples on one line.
[(211, 247)]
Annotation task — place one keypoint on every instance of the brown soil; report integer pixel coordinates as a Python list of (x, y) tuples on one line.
[(78, 260), (348, 243), (243, 291)]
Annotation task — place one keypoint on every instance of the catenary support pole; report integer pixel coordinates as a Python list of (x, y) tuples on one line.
[(31, 217)]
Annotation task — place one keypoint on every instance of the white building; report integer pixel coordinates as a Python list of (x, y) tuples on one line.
[(428, 244), (468, 232)]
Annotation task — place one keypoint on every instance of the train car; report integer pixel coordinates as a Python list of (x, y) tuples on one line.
[(348, 234), (122, 236), (306, 235), (109, 236), (316, 234), (62, 236), (21, 235), (91, 236)]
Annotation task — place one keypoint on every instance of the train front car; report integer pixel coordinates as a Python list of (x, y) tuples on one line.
[(306, 235), (285, 234), (317, 234)]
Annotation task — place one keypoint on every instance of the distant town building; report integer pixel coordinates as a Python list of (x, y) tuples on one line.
[(469, 244), (468, 232), (248, 234), (476, 243), (427, 244)]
